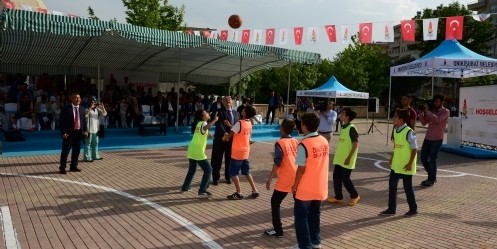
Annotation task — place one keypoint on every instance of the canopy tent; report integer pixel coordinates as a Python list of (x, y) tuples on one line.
[(449, 60), (332, 89), (35, 43)]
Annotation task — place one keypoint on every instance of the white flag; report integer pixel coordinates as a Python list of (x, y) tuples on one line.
[(234, 36), (257, 36), (312, 34), (345, 35), (58, 13), (481, 17), (214, 34), (27, 7), (196, 32), (430, 29), (284, 36), (383, 32)]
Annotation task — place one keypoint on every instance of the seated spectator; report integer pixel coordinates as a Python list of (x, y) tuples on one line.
[(7, 131), (289, 115), (55, 107), (25, 109), (44, 113), (160, 108)]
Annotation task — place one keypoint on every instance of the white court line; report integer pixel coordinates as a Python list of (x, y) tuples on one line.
[(203, 236), (9, 233), (458, 173)]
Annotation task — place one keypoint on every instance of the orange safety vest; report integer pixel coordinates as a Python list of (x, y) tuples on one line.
[(288, 167), (241, 141), (314, 182)]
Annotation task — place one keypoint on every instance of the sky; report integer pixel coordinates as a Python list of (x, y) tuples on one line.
[(278, 14)]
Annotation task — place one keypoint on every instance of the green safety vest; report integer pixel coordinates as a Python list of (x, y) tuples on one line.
[(196, 148), (343, 149), (402, 152)]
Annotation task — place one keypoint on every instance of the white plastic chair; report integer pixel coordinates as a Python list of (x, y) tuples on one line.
[(10, 108)]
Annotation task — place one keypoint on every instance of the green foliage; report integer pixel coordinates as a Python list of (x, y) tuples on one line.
[(154, 14), (476, 35), (91, 13)]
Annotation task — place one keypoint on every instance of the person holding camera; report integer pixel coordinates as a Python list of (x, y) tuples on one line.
[(327, 118), (92, 116), (436, 118)]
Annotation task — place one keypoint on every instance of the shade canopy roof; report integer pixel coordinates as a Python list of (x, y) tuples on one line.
[(450, 60), (333, 89), (36, 43)]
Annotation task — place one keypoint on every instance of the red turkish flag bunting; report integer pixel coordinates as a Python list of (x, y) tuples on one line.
[(408, 29), (331, 32), (246, 36), (190, 32), (365, 32), (270, 36), (454, 26), (224, 35), (297, 35), (206, 33), (41, 10), (8, 4)]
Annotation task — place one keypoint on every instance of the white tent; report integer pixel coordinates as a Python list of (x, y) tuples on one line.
[(449, 60), (332, 89)]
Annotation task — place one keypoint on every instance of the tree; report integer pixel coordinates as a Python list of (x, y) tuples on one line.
[(363, 68), (476, 36), (154, 14), (91, 13)]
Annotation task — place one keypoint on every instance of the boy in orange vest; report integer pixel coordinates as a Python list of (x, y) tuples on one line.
[(311, 182), (285, 154), (240, 151)]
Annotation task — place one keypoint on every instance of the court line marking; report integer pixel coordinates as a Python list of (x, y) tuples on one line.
[(9, 233), (203, 236), (457, 173)]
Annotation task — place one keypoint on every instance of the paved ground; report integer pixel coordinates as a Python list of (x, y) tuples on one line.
[(131, 199)]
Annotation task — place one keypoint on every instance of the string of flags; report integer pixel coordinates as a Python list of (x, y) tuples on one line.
[(382, 32)]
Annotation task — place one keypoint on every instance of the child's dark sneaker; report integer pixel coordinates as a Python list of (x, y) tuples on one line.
[(411, 214), (254, 195), (205, 194), (387, 213), (235, 196), (273, 233), (185, 190)]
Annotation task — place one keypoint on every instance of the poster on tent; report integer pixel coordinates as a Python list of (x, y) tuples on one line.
[(478, 106), (137, 79)]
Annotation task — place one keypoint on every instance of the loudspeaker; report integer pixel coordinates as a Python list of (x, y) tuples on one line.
[(373, 105)]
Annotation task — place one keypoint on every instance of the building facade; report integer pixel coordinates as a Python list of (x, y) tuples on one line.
[(487, 6)]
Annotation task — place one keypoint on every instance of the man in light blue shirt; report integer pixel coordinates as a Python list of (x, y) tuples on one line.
[(327, 120)]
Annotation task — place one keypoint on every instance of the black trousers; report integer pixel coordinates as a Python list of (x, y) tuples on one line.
[(276, 200), (341, 176), (219, 148), (270, 109), (72, 142)]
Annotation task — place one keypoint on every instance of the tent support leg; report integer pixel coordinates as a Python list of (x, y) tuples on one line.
[(288, 88), (389, 104)]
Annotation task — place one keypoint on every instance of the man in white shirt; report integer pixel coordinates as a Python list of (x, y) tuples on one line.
[(327, 118)]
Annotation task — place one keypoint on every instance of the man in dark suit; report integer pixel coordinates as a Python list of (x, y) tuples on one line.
[(161, 111), (72, 129), (227, 118)]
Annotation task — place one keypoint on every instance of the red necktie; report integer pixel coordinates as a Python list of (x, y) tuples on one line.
[(76, 118)]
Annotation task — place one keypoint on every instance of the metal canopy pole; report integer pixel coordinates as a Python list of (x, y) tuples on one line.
[(99, 73), (177, 89), (288, 89), (240, 81), (388, 114)]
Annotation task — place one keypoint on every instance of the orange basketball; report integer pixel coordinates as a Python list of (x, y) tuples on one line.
[(235, 21)]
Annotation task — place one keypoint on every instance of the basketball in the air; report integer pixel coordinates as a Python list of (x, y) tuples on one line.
[(235, 21)]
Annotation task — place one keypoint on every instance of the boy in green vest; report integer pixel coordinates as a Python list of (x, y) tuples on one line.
[(345, 159), (402, 164), (196, 154)]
